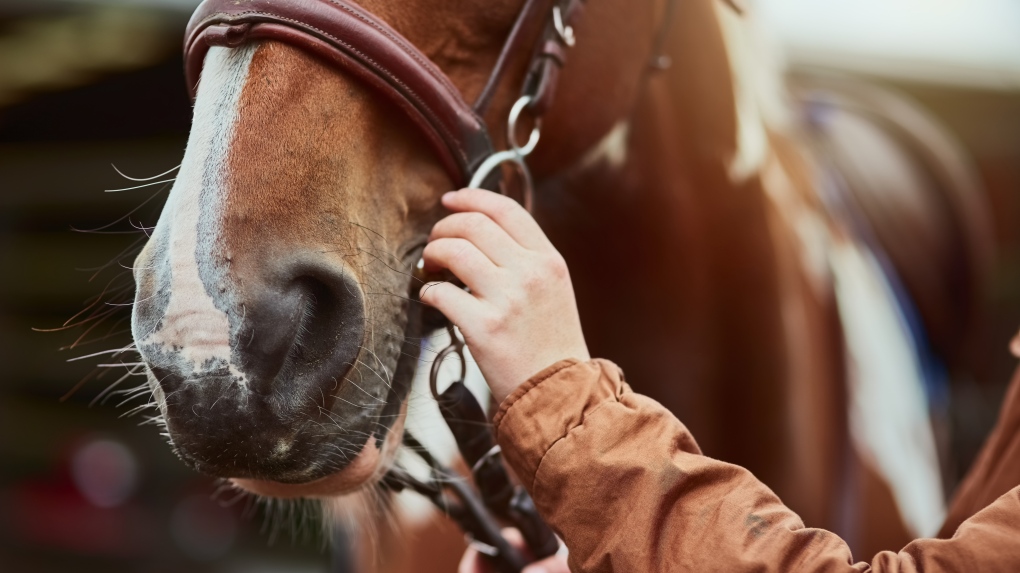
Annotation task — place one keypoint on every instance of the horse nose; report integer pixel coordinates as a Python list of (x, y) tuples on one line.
[(302, 332), (295, 332)]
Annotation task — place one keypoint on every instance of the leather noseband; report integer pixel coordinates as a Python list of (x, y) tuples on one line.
[(357, 42)]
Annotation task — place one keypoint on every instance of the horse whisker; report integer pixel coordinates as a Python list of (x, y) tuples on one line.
[(129, 178)]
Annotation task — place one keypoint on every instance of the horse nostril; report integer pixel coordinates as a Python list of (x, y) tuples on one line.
[(302, 334), (294, 337), (329, 332)]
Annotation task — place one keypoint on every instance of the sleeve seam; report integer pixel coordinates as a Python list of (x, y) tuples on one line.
[(532, 384), (541, 459)]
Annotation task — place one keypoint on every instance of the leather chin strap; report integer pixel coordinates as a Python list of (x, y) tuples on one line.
[(355, 41)]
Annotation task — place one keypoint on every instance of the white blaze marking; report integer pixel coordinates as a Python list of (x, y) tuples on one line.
[(192, 323)]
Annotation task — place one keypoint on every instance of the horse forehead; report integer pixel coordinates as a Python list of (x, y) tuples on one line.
[(300, 126), (314, 149)]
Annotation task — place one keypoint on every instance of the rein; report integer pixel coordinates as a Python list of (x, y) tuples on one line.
[(355, 41), (499, 498)]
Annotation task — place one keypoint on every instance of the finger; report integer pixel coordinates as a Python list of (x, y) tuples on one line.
[(554, 564), (506, 212), (459, 306), (493, 240), (514, 538), (464, 260), (472, 562)]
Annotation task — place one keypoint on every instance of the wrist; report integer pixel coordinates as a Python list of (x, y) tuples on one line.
[(511, 379)]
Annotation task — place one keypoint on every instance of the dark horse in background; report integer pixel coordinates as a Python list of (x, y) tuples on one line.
[(780, 280)]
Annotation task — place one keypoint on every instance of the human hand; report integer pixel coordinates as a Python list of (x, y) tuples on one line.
[(520, 315), (475, 562)]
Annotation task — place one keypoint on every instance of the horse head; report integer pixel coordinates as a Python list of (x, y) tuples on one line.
[(274, 308)]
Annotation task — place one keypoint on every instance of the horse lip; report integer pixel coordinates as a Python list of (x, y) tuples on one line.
[(366, 468), (343, 481), (283, 472), (295, 459)]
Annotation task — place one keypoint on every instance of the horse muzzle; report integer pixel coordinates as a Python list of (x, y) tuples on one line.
[(253, 370)]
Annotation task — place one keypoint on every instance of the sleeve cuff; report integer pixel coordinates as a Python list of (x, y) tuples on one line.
[(548, 406)]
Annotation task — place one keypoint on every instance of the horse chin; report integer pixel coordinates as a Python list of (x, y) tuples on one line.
[(365, 470)]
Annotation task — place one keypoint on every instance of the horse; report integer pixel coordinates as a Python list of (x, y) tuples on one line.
[(274, 308)]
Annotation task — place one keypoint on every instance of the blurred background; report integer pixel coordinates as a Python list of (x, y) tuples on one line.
[(89, 87)]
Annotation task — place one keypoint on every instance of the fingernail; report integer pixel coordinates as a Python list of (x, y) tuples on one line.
[(535, 569)]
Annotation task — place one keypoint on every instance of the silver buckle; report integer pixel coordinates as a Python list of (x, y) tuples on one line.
[(566, 32), (516, 154)]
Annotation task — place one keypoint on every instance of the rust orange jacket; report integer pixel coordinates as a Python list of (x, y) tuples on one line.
[(624, 484)]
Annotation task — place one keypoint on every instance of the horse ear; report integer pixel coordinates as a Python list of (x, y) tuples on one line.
[(739, 6)]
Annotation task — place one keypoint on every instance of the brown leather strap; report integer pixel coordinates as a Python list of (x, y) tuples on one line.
[(549, 57), (353, 39), (350, 38), (532, 15)]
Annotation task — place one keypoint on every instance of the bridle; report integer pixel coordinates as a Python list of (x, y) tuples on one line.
[(350, 38), (354, 40)]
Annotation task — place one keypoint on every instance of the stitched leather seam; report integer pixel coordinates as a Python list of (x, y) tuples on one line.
[(408, 48), (375, 65)]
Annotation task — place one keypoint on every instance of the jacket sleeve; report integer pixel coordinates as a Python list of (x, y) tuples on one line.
[(624, 484), (996, 469)]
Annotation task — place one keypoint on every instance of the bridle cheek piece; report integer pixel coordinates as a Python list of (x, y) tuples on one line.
[(356, 42)]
